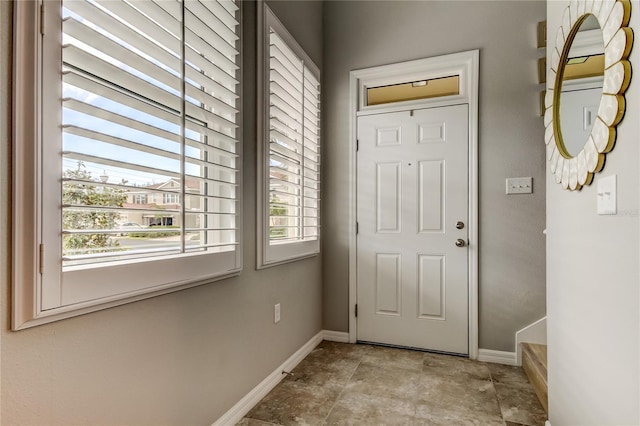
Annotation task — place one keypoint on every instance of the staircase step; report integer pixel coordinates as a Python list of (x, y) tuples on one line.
[(534, 363)]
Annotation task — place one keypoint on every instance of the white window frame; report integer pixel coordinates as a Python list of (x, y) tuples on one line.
[(275, 254), (33, 201)]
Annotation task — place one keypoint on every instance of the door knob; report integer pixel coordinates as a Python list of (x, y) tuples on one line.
[(460, 225), (460, 242)]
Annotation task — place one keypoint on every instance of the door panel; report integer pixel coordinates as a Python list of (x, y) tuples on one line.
[(431, 196), (388, 280), (388, 193), (431, 286), (413, 187)]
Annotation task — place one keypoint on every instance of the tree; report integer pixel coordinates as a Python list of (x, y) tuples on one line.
[(276, 214), (87, 194)]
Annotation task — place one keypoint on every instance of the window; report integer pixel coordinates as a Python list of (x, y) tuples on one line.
[(171, 199), (421, 89), (135, 101), (289, 163), (139, 199)]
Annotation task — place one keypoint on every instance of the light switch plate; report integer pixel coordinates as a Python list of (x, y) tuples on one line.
[(607, 195), (521, 185)]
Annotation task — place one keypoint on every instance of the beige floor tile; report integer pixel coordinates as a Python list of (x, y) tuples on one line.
[(388, 382), (391, 357), (359, 409), (322, 370), (455, 366), (330, 350), (438, 416), (458, 394), (292, 403), (519, 404), (508, 374)]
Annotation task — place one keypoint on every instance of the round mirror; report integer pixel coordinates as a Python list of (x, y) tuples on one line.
[(581, 87), (587, 77)]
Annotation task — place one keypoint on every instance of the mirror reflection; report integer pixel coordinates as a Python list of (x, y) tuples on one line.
[(581, 86)]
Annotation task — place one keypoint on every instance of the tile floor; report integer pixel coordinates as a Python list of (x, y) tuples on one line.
[(343, 384)]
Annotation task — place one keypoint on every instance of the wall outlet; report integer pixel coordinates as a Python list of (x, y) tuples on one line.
[(276, 313), (521, 185)]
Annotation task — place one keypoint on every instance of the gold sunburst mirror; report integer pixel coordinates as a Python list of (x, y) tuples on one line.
[(588, 75)]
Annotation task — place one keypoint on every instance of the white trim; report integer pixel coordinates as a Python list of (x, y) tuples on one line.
[(242, 407), (335, 336), (587, 43), (547, 423), (464, 64), (497, 357), (583, 83), (533, 333), (353, 190)]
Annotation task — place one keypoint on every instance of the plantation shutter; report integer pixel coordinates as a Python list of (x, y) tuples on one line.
[(294, 146), (150, 123)]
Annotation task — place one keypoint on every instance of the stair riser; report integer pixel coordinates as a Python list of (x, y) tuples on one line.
[(536, 376)]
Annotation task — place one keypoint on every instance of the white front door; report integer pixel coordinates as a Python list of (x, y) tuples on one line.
[(413, 192)]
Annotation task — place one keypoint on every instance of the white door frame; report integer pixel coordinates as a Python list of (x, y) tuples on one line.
[(465, 65)]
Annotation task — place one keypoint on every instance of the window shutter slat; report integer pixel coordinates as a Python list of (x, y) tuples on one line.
[(114, 141), (280, 50), (284, 107), (120, 119), (214, 71), (282, 139), (221, 31), (216, 121), (139, 16), (289, 87), (229, 5), (108, 72), (215, 137), (281, 150), (97, 88), (94, 14), (210, 102), (160, 16), (286, 119), (219, 91), (289, 98), (222, 14)]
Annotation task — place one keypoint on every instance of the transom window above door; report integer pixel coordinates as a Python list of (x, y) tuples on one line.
[(414, 90)]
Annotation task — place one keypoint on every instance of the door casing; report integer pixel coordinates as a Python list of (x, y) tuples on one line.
[(464, 64)]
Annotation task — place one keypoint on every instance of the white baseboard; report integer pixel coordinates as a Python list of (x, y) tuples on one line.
[(533, 333), (497, 357), (238, 411), (335, 336), (547, 423)]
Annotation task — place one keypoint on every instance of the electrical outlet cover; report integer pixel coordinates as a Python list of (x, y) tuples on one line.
[(520, 185), (607, 195)]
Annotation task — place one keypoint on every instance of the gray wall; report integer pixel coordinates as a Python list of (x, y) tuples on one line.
[(360, 34), (183, 358), (593, 281)]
